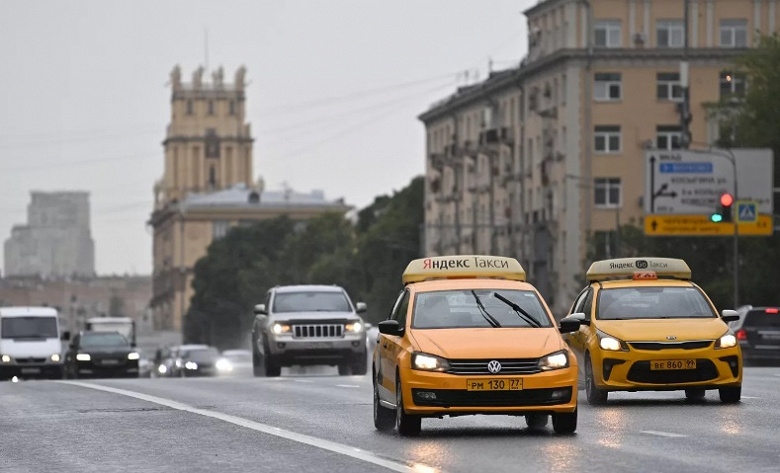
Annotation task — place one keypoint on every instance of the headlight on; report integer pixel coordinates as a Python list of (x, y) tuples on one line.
[(191, 365), (224, 365), (354, 327), (83, 357), (5, 359), (133, 355), (55, 357), (162, 369), (554, 361), (280, 328), (726, 341), (610, 343), (425, 362)]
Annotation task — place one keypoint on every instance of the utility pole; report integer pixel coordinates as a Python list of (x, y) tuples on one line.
[(685, 106)]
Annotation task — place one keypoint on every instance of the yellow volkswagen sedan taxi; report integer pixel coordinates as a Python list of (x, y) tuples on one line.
[(467, 335), (646, 326)]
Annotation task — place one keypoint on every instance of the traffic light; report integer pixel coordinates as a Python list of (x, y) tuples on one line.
[(723, 213)]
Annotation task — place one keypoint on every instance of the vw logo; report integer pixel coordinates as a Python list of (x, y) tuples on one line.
[(641, 264), (494, 366), (671, 337)]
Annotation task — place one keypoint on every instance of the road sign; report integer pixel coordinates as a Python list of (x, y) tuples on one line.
[(700, 225), (747, 211), (690, 182)]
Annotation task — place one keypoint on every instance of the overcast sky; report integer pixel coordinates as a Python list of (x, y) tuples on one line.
[(335, 87)]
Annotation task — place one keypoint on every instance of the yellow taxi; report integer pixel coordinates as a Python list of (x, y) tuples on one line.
[(646, 326), (468, 335)]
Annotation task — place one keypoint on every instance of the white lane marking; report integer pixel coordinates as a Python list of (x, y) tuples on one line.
[(335, 447), (750, 397), (303, 381), (662, 434), (347, 386)]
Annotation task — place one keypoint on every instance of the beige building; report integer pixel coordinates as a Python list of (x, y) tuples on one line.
[(207, 187), (544, 161)]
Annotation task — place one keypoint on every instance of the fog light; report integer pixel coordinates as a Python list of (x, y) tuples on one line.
[(559, 393), (355, 344), (280, 345), (426, 395)]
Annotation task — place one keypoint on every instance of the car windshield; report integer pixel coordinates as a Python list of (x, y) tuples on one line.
[(476, 308), (92, 340), (29, 327), (201, 354), (311, 301), (653, 302)]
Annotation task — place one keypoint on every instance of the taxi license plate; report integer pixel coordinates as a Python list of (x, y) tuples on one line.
[(31, 370), (661, 365), (494, 384)]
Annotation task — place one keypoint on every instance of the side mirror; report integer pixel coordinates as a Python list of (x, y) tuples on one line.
[(260, 309), (568, 325), (578, 316), (361, 307), (729, 315), (390, 327), (65, 335)]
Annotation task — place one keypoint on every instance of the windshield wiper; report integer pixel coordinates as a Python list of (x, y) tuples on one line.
[(484, 313), (518, 310)]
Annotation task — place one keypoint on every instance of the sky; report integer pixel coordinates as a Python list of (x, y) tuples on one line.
[(334, 91)]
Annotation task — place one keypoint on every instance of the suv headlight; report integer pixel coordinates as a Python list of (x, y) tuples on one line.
[(354, 327), (5, 359), (55, 357), (426, 362), (554, 361), (728, 340), (278, 328), (610, 343), (83, 357), (133, 355)]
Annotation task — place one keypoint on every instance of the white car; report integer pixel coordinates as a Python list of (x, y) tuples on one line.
[(235, 363)]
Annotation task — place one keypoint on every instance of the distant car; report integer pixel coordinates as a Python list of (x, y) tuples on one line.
[(145, 365), (99, 355), (758, 332), (235, 363), (197, 361)]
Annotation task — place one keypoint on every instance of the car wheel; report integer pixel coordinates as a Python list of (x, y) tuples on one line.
[(270, 370), (730, 395), (359, 365), (595, 396), (695, 394), (257, 363), (408, 425), (344, 369), (384, 418), (565, 422), (536, 421)]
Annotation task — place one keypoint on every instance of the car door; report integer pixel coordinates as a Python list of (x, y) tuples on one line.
[(390, 345)]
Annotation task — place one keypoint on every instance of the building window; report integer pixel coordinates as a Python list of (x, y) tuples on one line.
[(733, 33), (732, 85), (220, 228), (606, 139), (232, 107), (190, 107), (670, 33), (211, 107), (607, 86), (669, 87), (668, 137), (608, 34), (606, 192)]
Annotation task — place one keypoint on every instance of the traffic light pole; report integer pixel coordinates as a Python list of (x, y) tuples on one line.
[(735, 219)]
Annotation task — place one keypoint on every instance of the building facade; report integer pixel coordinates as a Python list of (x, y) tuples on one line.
[(56, 242), (544, 162)]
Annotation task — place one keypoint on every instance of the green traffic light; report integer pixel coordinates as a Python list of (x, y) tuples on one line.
[(716, 218)]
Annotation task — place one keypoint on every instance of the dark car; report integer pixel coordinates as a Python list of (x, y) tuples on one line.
[(758, 332), (101, 354), (199, 361)]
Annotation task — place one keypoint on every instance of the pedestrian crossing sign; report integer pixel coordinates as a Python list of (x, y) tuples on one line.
[(747, 211)]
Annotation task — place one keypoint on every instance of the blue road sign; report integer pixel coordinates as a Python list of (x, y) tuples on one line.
[(747, 211)]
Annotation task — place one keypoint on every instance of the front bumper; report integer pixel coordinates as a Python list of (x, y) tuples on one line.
[(31, 370), (316, 350), (631, 371), (95, 368), (435, 394)]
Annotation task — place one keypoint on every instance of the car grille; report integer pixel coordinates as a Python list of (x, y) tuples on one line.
[(510, 366), (640, 373), (318, 331), (671, 345), (463, 398), (24, 361)]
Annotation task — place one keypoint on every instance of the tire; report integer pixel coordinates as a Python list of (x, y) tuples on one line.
[(359, 365), (270, 370), (695, 394), (536, 421), (344, 369), (565, 422), (408, 425), (257, 363), (730, 395), (384, 418), (595, 396)]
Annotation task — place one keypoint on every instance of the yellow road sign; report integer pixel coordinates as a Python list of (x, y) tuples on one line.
[(700, 225)]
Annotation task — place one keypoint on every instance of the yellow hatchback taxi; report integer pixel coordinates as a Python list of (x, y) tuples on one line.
[(646, 326), (468, 335)]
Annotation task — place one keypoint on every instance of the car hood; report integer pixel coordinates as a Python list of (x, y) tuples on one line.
[(30, 348), (313, 315), (645, 330), (462, 343)]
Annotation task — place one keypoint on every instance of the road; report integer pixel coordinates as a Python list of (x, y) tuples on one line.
[(303, 422)]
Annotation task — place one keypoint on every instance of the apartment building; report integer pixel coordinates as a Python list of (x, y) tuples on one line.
[(544, 161)]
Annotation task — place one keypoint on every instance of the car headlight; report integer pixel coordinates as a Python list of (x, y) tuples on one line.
[(162, 369), (133, 355), (191, 365), (280, 328), (554, 361), (726, 341), (55, 357), (224, 365), (5, 359), (426, 362), (610, 343), (83, 357), (354, 327)]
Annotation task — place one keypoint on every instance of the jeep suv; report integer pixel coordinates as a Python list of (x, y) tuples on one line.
[(308, 325)]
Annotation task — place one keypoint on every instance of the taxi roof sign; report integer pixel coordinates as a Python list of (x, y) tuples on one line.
[(627, 267), (463, 266)]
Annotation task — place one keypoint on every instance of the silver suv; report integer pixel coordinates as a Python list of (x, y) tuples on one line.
[(308, 325)]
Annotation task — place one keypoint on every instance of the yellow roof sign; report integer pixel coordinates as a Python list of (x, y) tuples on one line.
[(463, 266), (628, 267)]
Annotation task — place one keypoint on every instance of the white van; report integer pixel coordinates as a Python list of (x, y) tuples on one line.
[(30, 343)]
